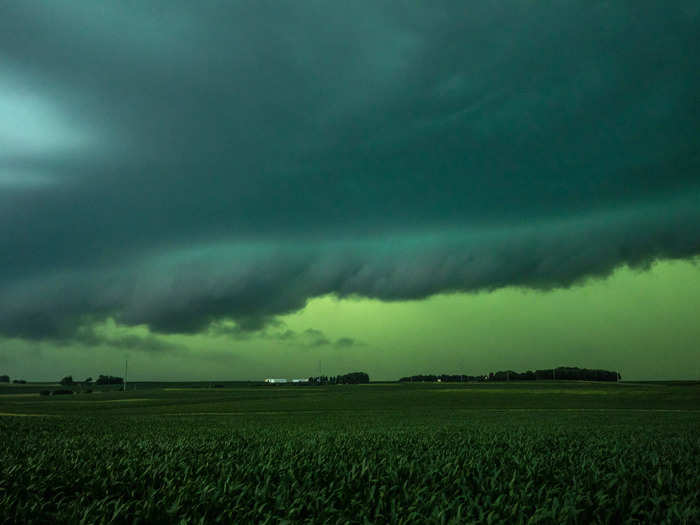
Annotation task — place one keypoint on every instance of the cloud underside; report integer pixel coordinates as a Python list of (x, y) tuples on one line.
[(209, 169), (194, 289), (276, 330)]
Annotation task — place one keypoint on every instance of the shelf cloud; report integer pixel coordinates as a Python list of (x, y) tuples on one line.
[(179, 167)]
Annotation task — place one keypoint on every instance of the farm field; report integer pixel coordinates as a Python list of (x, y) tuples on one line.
[(544, 452)]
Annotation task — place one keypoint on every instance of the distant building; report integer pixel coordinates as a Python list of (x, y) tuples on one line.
[(270, 380), (300, 380)]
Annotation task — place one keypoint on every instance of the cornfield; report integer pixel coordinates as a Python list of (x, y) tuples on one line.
[(277, 469)]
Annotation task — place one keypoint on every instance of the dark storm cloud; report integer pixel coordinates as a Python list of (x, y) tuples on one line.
[(346, 342), (276, 330), (88, 336), (177, 166)]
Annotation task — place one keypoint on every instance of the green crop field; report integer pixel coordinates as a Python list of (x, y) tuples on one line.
[(544, 452)]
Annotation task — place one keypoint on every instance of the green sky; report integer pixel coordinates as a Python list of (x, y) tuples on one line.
[(643, 323), (245, 189)]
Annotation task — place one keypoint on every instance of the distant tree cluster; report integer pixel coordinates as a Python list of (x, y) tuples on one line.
[(6, 379), (580, 374), (353, 378), (510, 375), (109, 380), (102, 380), (562, 373)]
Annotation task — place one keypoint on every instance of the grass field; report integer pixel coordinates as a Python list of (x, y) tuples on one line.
[(544, 452)]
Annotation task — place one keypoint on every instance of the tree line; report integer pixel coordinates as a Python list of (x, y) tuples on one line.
[(6, 379), (353, 378), (101, 380), (68, 380), (561, 373)]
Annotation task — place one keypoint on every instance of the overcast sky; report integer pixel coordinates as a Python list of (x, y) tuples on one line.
[(174, 176)]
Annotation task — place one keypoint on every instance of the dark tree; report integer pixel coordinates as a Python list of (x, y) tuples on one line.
[(562, 373), (4, 379), (353, 378), (68, 380), (109, 380)]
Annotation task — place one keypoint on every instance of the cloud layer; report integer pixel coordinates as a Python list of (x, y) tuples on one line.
[(177, 166)]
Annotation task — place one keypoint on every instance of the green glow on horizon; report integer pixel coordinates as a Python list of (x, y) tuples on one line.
[(643, 323)]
